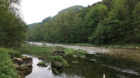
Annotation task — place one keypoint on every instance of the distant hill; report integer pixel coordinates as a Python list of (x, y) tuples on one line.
[(46, 19), (76, 8)]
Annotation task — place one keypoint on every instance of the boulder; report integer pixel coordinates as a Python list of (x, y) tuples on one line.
[(26, 59), (22, 63), (19, 61), (42, 64), (57, 65)]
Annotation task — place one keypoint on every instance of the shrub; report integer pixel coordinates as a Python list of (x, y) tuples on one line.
[(60, 59), (7, 70)]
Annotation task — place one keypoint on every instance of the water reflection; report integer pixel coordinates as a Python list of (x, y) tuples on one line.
[(39, 72), (94, 66)]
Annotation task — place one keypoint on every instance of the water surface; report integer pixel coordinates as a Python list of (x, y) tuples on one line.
[(94, 66)]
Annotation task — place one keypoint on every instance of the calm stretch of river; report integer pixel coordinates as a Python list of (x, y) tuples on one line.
[(94, 66)]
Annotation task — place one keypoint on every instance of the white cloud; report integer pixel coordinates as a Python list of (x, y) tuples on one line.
[(36, 10)]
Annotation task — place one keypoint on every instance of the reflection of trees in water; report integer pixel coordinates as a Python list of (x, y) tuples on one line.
[(95, 69), (84, 69), (56, 71)]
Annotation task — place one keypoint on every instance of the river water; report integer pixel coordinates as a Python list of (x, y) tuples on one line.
[(93, 66)]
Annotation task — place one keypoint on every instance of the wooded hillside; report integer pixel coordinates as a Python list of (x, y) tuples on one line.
[(106, 22)]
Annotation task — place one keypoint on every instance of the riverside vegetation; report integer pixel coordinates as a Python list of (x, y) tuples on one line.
[(78, 63), (7, 69), (13, 64), (54, 54)]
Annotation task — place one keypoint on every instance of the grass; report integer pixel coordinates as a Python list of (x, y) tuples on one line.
[(35, 49), (7, 70), (48, 52), (74, 53)]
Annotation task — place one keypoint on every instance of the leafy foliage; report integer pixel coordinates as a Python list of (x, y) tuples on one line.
[(136, 23), (7, 70), (106, 22), (12, 28)]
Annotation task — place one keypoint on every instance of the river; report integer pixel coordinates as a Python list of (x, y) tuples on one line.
[(94, 66)]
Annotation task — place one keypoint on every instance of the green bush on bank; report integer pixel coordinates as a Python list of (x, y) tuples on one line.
[(7, 70), (12, 53)]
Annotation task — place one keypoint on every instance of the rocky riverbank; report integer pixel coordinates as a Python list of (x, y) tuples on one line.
[(23, 65)]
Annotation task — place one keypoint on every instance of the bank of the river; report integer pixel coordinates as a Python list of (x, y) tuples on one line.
[(61, 60), (7, 69), (122, 46), (92, 66), (55, 54), (129, 52), (13, 64), (124, 61)]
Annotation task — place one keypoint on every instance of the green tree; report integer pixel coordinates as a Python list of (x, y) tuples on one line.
[(136, 14), (106, 22), (35, 33), (12, 28), (95, 16)]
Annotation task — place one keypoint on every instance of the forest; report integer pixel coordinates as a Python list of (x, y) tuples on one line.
[(105, 22)]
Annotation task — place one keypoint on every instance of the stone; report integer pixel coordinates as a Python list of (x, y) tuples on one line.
[(42, 64), (57, 65), (22, 63), (17, 60)]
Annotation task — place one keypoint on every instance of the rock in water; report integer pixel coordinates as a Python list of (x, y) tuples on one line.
[(42, 64), (57, 65)]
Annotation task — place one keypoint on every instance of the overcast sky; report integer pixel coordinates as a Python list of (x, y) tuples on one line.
[(36, 10)]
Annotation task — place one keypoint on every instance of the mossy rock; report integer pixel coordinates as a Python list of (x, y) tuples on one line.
[(42, 64), (57, 65), (59, 59)]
